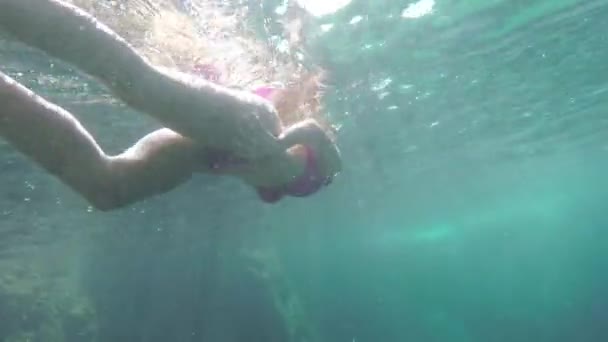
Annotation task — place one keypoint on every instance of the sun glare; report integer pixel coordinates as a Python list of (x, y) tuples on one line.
[(418, 9), (319, 8)]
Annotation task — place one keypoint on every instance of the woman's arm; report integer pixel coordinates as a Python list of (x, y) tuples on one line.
[(54, 139), (208, 113), (72, 35)]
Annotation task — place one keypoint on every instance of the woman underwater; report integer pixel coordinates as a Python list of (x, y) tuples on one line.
[(210, 128)]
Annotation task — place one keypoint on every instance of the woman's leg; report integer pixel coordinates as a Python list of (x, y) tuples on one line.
[(54, 139), (51, 137)]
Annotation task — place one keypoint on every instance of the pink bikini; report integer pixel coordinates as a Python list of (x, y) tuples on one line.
[(304, 185)]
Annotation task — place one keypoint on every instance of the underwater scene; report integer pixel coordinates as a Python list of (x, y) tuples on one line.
[(471, 205)]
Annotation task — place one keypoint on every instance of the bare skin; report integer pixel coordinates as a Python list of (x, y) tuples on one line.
[(55, 140), (207, 117), (213, 115)]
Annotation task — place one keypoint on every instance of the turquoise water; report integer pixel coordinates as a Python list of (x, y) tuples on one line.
[(471, 208)]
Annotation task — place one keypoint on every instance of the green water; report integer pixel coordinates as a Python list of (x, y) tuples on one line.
[(471, 209)]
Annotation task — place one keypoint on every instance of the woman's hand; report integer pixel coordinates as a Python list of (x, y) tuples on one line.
[(309, 132)]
